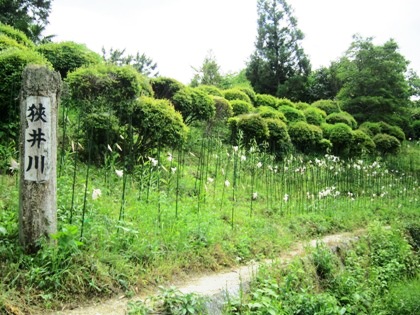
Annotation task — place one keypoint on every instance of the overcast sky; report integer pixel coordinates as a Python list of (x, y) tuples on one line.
[(178, 34)]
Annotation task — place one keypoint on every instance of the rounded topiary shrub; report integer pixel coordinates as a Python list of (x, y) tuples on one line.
[(12, 64), (324, 146), (302, 105), (100, 130), (68, 56), (106, 87), (17, 35), (341, 136), (326, 129), (305, 137), (7, 42), (223, 108), (157, 123), (250, 92), (236, 94), (370, 128), (241, 107), (194, 105), (270, 112), (164, 87), (292, 114), (285, 102), (395, 131), (342, 117), (328, 106), (362, 144), (314, 116), (210, 90), (252, 127), (279, 140), (266, 100), (386, 144)]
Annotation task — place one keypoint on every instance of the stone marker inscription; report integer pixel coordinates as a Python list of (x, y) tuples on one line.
[(38, 139)]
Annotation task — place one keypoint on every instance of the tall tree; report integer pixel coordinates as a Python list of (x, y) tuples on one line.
[(208, 73), (323, 83), (140, 62), (29, 16), (374, 80), (279, 65)]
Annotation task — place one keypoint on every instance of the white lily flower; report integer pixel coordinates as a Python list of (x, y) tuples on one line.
[(96, 193)]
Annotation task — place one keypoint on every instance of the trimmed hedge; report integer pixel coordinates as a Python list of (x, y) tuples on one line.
[(386, 144), (342, 117), (266, 100), (314, 116), (328, 106), (270, 112), (292, 114), (164, 87), (236, 94), (241, 107), (252, 127), (304, 136), (19, 36), (68, 56)]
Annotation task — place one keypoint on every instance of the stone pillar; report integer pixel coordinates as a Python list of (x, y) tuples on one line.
[(38, 155)]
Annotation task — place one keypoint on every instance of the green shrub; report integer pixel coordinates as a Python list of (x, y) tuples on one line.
[(12, 64), (270, 112), (102, 130), (251, 126), (266, 100), (314, 116), (415, 127), (371, 128), (223, 108), (403, 298), (17, 35), (279, 139), (248, 91), (341, 136), (7, 42), (68, 56), (302, 105), (193, 104), (326, 129), (386, 144), (342, 117), (362, 143), (324, 146), (157, 124), (210, 90), (106, 87), (236, 94), (241, 107), (164, 87), (328, 106), (304, 136), (292, 114), (395, 131), (285, 102)]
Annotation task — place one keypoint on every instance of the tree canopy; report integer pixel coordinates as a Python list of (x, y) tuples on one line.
[(28, 16), (374, 84), (279, 65)]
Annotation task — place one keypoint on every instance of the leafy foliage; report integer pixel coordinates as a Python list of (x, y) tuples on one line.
[(304, 136), (241, 107), (341, 136), (143, 64), (28, 16), (292, 114), (278, 64), (314, 115), (266, 100), (342, 117), (279, 140), (164, 87), (68, 56), (18, 36), (236, 94), (252, 128), (270, 112), (208, 73), (12, 64), (328, 106), (374, 84), (194, 105), (386, 144)]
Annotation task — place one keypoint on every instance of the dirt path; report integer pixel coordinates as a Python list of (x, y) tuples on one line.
[(215, 286)]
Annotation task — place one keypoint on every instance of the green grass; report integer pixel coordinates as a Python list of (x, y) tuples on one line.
[(155, 224)]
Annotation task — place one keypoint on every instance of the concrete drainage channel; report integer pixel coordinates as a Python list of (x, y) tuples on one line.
[(217, 287)]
